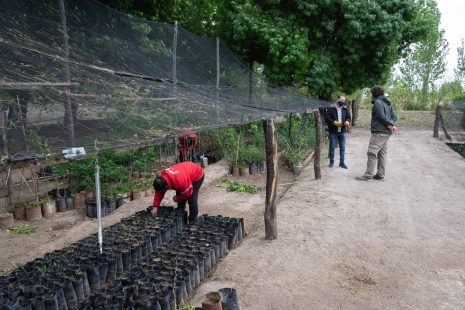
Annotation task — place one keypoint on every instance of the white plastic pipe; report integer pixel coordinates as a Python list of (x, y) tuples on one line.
[(99, 207)]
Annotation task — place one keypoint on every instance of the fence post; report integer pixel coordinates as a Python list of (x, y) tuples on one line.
[(354, 112), (436, 123), (69, 120), (271, 141), (217, 77), (443, 125), (317, 160)]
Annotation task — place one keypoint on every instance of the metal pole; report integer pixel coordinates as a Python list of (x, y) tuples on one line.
[(99, 206), (69, 121)]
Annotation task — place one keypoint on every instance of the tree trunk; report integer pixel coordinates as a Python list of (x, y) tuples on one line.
[(436, 123), (271, 141), (443, 125), (317, 160)]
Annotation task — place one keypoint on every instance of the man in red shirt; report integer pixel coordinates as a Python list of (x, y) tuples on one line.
[(186, 179)]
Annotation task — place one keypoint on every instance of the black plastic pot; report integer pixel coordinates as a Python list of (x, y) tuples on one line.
[(69, 203), (119, 201), (93, 277), (253, 169), (70, 295), (126, 258), (229, 299), (61, 204), (78, 285), (61, 298)]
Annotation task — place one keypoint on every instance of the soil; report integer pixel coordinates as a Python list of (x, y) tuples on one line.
[(342, 243), (347, 244)]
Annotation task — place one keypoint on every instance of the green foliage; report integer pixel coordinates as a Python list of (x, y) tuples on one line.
[(45, 200), (460, 69), (32, 204), (23, 229), (297, 143), (242, 188), (319, 45), (426, 62)]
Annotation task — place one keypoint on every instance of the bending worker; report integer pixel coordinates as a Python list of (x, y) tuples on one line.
[(186, 179)]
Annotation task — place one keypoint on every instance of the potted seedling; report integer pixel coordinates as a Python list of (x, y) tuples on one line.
[(235, 169), (33, 211), (138, 191), (47, 206), (20, 211)]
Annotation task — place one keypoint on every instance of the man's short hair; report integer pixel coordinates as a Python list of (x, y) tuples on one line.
[(159, 184), (377, 91)]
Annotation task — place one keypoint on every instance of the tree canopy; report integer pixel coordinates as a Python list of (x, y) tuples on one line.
[(323, 46)]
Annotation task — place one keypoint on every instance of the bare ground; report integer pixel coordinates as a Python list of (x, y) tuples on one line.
[(345, 244), (342, 244)]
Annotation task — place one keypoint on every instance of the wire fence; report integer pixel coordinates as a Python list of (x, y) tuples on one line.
[(77, 73)]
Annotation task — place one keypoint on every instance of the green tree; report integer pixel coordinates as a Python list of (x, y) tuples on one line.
[(425, 64), (460, 70), (320, 46), (323, 45)]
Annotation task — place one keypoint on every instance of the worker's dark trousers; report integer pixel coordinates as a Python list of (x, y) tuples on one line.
[(193, 207)]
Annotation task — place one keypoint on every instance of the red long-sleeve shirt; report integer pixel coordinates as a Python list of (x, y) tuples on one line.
[(179, 178)]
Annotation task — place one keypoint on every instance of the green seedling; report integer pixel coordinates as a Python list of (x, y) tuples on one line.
[(23, 230), (242, 188)]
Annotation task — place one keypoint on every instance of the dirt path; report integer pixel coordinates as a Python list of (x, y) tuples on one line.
[(345, 244)]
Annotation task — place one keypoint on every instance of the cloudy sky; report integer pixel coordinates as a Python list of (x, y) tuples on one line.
[(453, 22)]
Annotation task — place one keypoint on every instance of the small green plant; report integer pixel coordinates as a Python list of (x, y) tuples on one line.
[(68, 245), (42, 269), (32, 204), (185, 306), (45, 200), (242, 188), (23, 230)]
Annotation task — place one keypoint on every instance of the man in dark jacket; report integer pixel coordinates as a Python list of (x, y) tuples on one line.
[(383, 119), (338, 119), (186, 179)]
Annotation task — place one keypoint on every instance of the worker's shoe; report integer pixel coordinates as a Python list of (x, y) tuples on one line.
[(342, 165), (331, 164), (363, 178), (379, 178)]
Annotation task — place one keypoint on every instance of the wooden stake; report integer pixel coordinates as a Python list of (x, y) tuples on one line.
[(355, 112), (317, 160), (271, 140), (436, 123), (443, 125)]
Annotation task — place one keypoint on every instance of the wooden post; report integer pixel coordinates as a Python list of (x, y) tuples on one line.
[(271, 141), (69, 120), (3, 121), (443, 125), (354, 112), (436, 123), (317, 160), (462, 122), (217, 77)]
